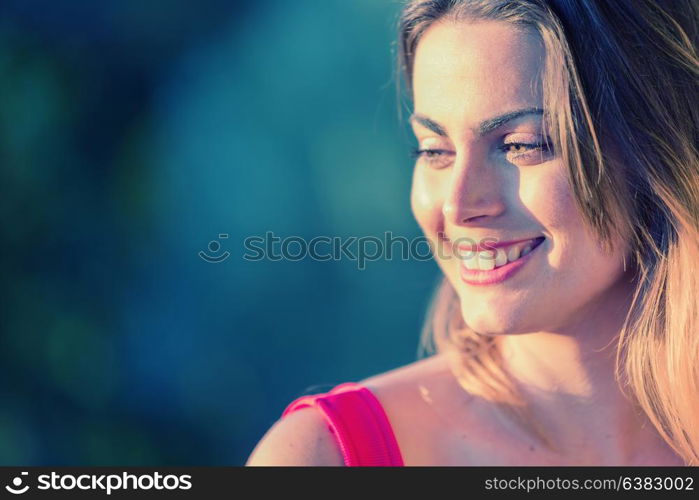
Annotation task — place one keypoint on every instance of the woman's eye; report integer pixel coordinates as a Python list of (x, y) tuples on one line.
[(433, 157), (526, 151)]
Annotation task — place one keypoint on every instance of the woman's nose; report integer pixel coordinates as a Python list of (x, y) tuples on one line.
[(475, 190)]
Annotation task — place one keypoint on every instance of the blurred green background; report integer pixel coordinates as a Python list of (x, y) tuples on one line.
[(132, 134)]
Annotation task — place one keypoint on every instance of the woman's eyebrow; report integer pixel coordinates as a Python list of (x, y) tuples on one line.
[(493, 123), (483, 128), (428, 124)]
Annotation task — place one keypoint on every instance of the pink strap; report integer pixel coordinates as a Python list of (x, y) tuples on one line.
[(359, 423)]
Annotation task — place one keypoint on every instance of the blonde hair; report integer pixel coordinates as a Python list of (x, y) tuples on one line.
[(620, 95)]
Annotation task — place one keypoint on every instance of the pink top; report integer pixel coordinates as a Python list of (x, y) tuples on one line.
[(359, 423)]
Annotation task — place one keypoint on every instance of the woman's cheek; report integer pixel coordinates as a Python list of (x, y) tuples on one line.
[(548, 197), (426, 201)]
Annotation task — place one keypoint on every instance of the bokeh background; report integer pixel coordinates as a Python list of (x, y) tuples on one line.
[(132, 134)]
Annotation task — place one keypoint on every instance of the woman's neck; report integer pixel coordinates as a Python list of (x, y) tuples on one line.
[(567, 378)]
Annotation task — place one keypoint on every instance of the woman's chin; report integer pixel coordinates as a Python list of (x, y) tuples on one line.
[(492, 321)]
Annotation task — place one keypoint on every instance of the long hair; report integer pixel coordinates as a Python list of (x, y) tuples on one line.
[(620, 88)]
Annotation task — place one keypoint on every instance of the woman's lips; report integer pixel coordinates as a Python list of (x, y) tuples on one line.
[(499, 274)]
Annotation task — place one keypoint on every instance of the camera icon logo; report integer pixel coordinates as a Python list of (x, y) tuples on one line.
[(214, 247), (17, 482)]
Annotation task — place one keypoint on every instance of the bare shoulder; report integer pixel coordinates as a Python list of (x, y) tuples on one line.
[(422, 400), (304, 438), (301, 438), (402, 381)]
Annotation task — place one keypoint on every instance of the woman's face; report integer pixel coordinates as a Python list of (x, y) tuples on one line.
[(482, 176)]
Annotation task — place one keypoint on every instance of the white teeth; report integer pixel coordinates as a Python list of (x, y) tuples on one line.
[(513, 253), (471, 261), (486, 260), (500, 257)]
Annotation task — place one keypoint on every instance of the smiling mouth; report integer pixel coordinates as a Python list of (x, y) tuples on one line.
[(487, 260)]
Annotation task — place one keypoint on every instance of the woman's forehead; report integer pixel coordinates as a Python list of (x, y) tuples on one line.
[(480, 38), (472, 70)]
